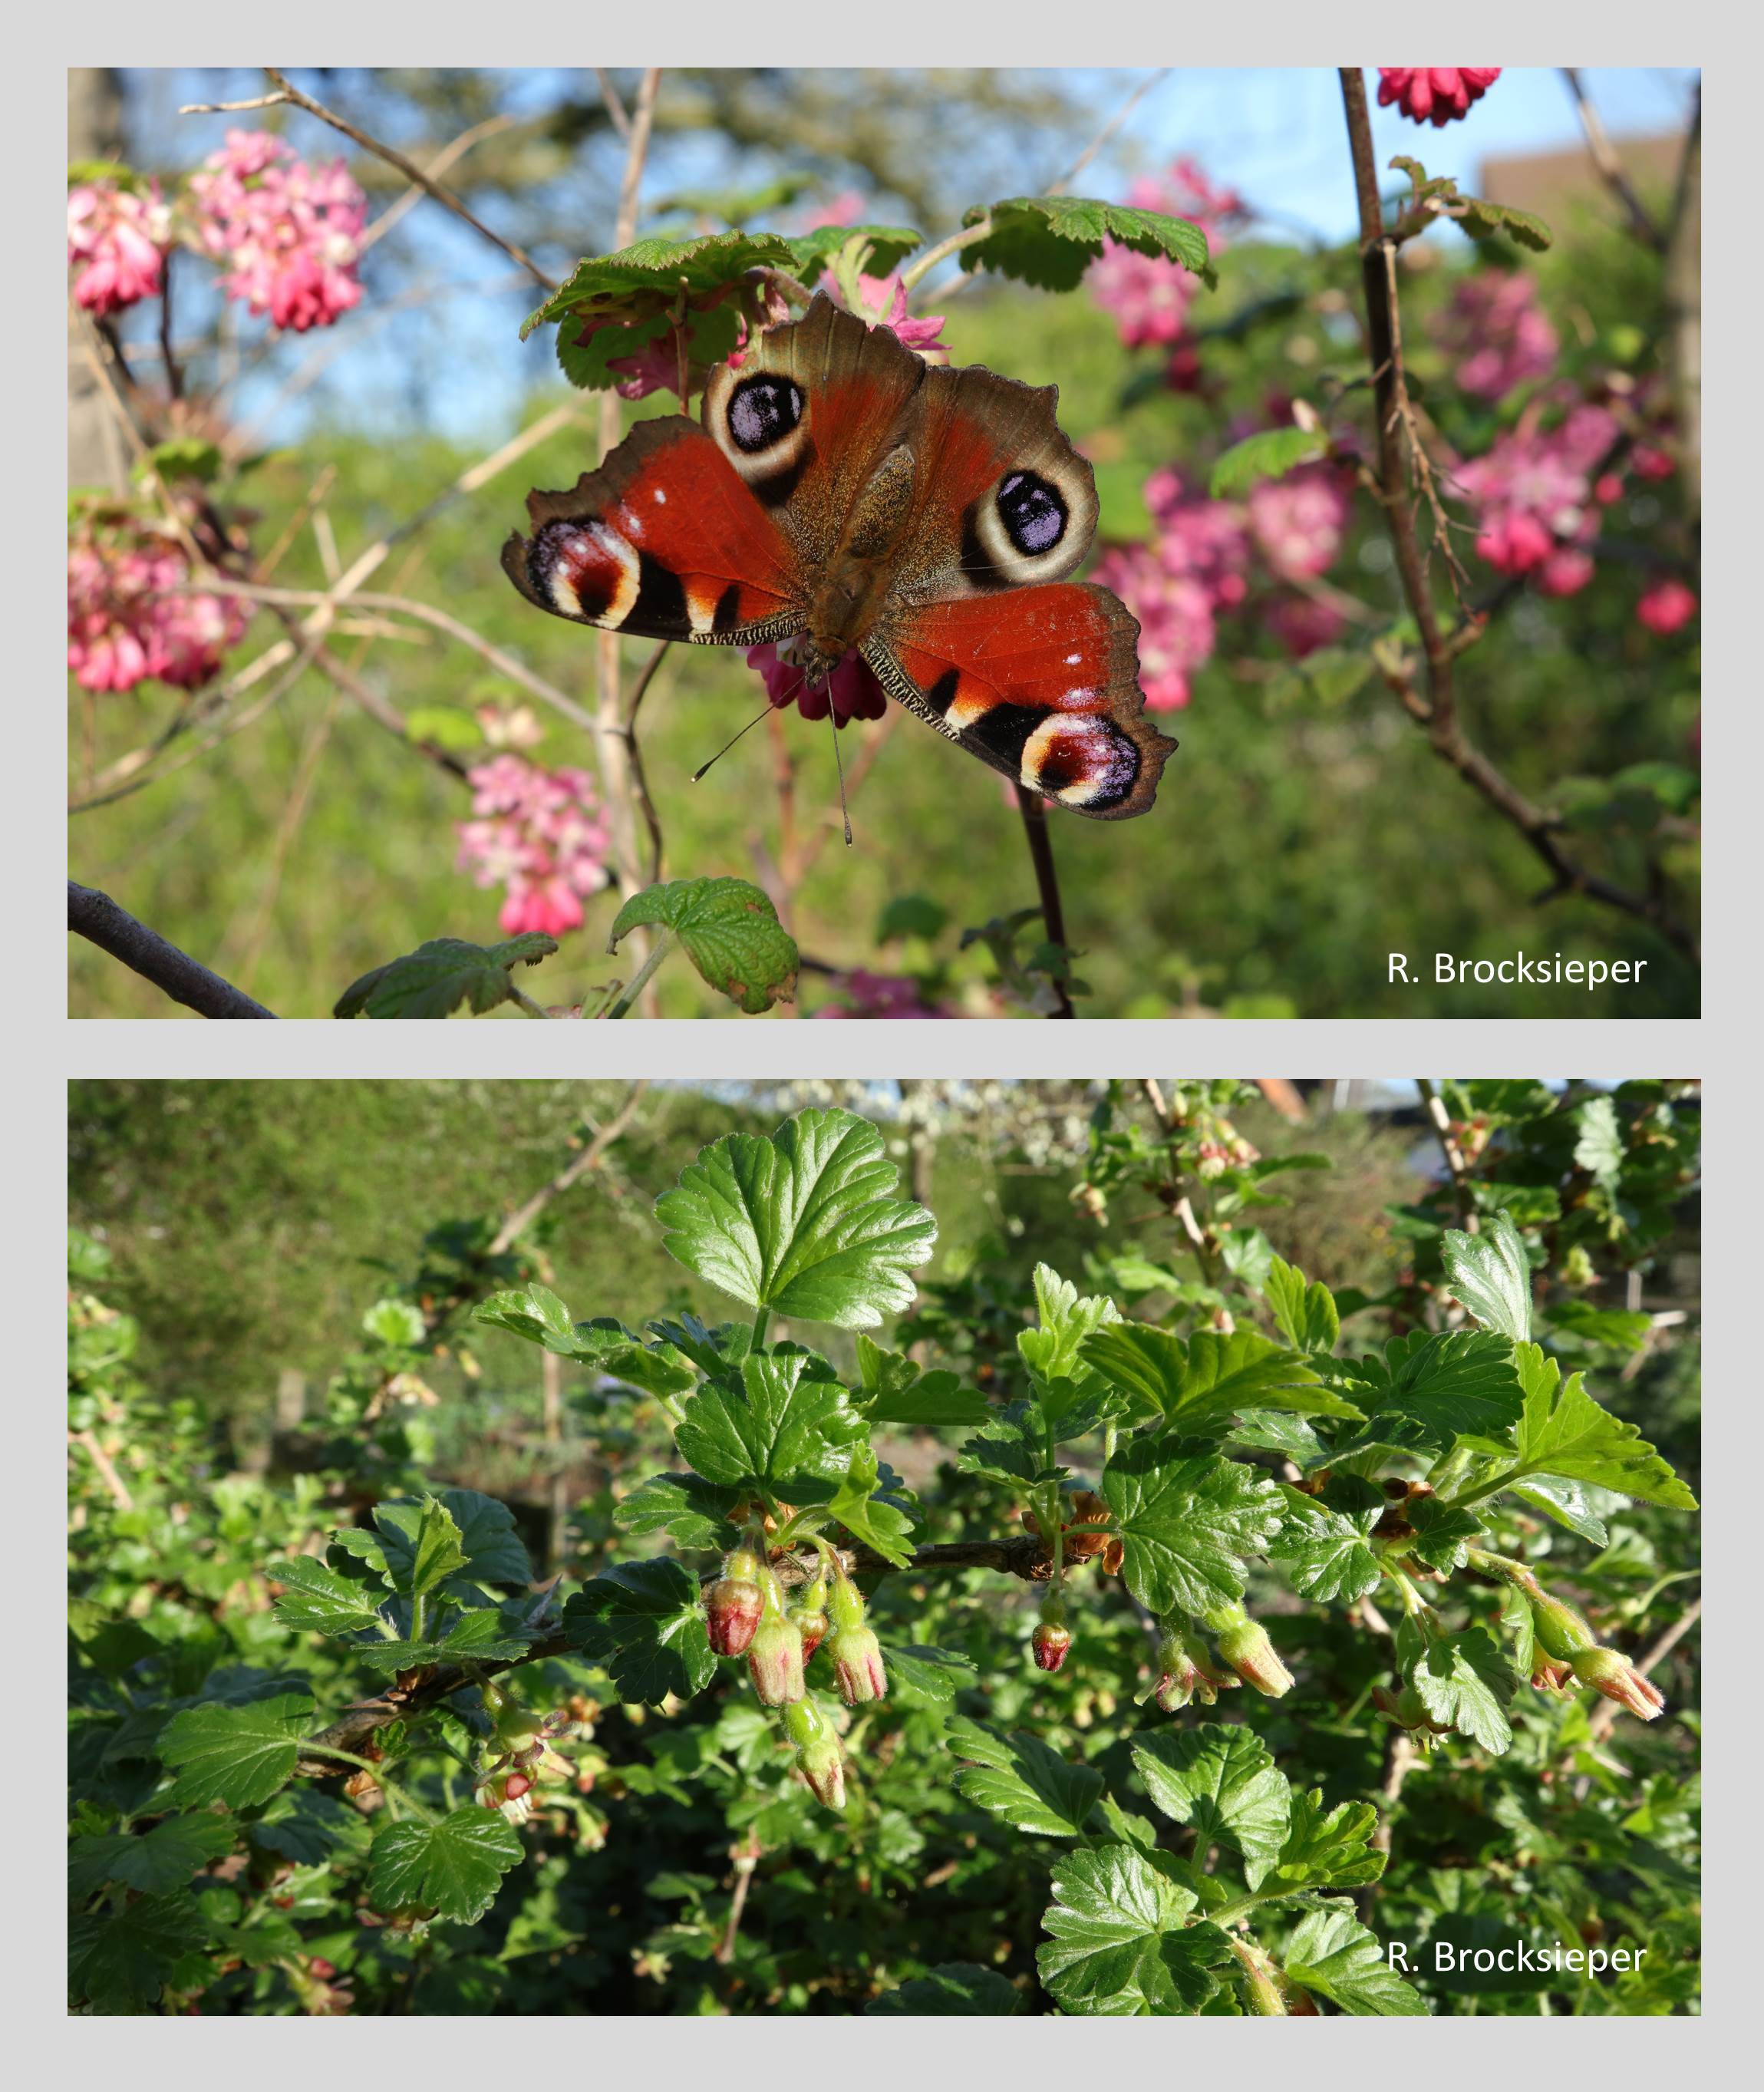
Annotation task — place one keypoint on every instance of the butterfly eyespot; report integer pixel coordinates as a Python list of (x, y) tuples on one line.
[(1033, 512), (762, 410)]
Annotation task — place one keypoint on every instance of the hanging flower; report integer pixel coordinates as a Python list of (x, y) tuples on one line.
[(1496, 328), (882, 302), (1434, 94), (1149, 294), (133, 613), (1666, 607), (287, 231), (117, 239), (538, 834), (851, 691)]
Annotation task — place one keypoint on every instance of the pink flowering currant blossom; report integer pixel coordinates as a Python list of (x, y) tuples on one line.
[(880, 995), (1494, 326), (1666, 607), (1298, 522), (882, 302), (286, 230), (538, 834), (1434, 94), (1534, 490), (1149, 294), (1177, 586), (133, 615), (851, 692), (117, 240)]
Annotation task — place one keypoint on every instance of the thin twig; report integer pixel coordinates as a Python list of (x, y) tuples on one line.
[(1034, 821), (107, 1474), (1611, 168), (1454, 1161), (745, 1857), (447, 157), (95, 917), (1437, 710), (411, 172), (639, 777), (573, 1171)]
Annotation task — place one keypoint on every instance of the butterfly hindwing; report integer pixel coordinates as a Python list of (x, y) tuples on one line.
[(665, 541), (1039, 682)]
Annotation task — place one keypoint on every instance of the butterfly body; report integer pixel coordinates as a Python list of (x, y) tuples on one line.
[(841, 494)]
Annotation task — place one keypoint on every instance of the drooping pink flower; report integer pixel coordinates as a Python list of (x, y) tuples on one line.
[(117, 239), (1298, 522), (882, 302), (1176, 631), (538, 834), (1434, 94), (1149, 294), (1302, 624), (1496, 328), (1566, 572), (286, 230), (1666, 606), (1650, 463), (880, 995), (844, 209), (133, 615), (1534, 494), (851, 692)]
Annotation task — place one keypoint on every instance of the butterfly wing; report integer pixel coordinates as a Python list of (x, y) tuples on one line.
[(665, 541), (1039, 682)]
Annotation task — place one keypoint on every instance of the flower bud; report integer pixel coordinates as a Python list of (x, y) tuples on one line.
[(817, 1751), (1186, 1673), (1547, 1675), (775, 1657), (1561, 1632), (1618, 1679), (856, 1654), (1406, 1710), (733, 1604), (518, 1728), (1243, 1643), (809, 1614)]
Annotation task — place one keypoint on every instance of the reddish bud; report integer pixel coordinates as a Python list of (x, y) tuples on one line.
[(1243, 1643), (809, 1614), (1561, 1632), (857, 1666), (734, 1603), (817, 1752), (1547, 1674), (1186, 1673), (1050, 1641), (1618, 1679), (774, 1660)]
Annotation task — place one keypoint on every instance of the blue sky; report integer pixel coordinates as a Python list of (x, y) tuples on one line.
[(1275, 134)]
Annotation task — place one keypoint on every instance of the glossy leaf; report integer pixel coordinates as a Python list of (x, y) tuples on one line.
[(1121, 1943), (435, 978), (239, 1755), (1332, 1954), (1019, 1779), (729, 929), (642, 1622), (454, 1867), (1221, 1779), (1491, 1274), (1186, 1522)]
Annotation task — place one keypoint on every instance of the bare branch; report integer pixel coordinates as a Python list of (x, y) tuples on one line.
[(1611, 168), (1035, 821), (95, 917)]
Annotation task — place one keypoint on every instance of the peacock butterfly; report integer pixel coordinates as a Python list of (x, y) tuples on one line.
[(843, 492)]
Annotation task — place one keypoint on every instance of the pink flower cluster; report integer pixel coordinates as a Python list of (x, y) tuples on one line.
[(285, 230), (1149, 294), (882, 302), (851, 692), (132, 613), (1538, 506), (539, 835), (1202, 562), (1666, 607), (117, 239), (880, 995), (1434, 94), (1496, 328)]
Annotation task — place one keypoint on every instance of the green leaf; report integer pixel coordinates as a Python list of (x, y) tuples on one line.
[(456, 1537), (1050, 241), (1011, 1448), (936, 1673), (395, 1322), (119, 1963), (1483, 219), (1599, 1148), (1465, 1681), (870, 1517), (804, 1224), (479, 1636), (1269, 454), (1445, 1385), (787, 1420), (650, 275), (317, 1601), (422, 1544), (1566, 1501), (641, 1622), (454, 1867), (1327, 1552), (695, 1511), (1018, 1779), (1120, 1944), (1185, 1522), (1328, 1849), (953, 1990), (811, 252), (433, 980), (1441, 1532), (1052, 1351), (893, 1390), (1305, 1315), (1333, 1954), (237, 1755), (1568, 1434), (184, 457), (1200, 1385), (1588, 1324), (1491, 1274), (159, 1860), (495, 1551), (1221, 1779), (728, 929)]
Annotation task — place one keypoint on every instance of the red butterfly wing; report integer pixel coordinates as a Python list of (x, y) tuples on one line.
[(665, 541), (1040, 682)]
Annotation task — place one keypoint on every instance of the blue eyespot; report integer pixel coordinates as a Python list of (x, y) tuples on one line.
[(762, 411), (1032, 512)]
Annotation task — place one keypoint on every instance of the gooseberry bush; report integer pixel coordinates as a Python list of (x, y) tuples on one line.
[(323, 1766)]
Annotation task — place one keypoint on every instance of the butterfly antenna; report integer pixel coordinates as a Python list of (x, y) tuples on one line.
[(728, 744), (839, 764)]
